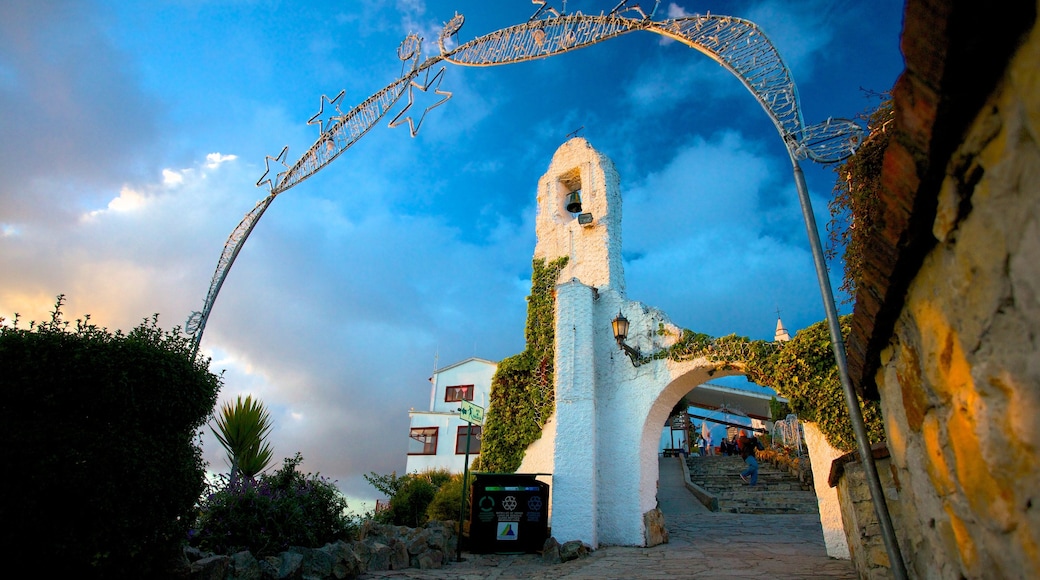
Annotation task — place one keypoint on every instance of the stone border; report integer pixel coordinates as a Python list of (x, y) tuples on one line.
[(710, 501)]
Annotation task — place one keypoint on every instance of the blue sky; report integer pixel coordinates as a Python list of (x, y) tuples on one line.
[(132, 135)]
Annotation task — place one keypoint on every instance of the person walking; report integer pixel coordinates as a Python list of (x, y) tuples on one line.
[(748, 447)]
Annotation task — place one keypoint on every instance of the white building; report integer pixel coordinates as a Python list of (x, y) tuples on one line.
[(437, 438)]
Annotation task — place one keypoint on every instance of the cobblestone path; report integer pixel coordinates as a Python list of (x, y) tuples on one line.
[(701, 544)]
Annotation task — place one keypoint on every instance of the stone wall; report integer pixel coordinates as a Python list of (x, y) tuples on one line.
[(863, 533), (959, 379)]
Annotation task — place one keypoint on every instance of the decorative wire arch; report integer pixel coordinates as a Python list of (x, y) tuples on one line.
[(736, 44)]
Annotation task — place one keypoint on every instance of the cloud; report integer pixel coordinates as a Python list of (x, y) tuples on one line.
[(708, 238), (73, 109), (676, 11)]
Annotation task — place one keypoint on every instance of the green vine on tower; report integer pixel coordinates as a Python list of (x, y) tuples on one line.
[(802, 370), (522, 395)]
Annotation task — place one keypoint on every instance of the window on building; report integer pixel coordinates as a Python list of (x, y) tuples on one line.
[(459, 393), (474, 439), (422, 441)]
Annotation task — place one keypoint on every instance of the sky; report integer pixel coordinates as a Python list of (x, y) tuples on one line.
[(132, 135)]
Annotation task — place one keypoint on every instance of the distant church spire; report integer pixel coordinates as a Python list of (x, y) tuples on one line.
[(781, 332)]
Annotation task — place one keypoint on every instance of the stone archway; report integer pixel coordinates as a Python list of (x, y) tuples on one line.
[(601, 444)]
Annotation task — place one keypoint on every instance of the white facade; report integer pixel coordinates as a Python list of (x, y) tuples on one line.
[(434, 440), (601, 445)]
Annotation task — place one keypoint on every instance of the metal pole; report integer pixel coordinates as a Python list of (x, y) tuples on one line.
[(462, 504), (877, 494)]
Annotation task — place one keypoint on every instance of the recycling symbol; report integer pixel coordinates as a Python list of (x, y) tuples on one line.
[(509, 502), (534, 504), (487, 504)]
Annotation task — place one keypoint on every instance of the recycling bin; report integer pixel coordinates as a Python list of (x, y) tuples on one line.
[(509, 513)]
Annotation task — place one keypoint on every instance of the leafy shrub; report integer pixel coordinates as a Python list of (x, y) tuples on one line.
[(101, 435), (410, 495), (447, 502), (242, 429), (408, 507), (267, 516), (856, 207)]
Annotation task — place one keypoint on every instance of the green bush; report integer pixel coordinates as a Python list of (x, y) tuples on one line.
[(447, 501), (101, 434), (410, 496), (286, 508)]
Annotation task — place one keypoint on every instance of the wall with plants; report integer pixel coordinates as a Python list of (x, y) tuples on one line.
[(803, 370), (522, 395)]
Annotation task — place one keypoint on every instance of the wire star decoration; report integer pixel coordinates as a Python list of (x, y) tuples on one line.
[(323, 119), (435, 82), (278, 178)]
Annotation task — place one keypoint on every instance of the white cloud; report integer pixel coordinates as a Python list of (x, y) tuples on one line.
[(214, 160), (171, 177), (676, 11)]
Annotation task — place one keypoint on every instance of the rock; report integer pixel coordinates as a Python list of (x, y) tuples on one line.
[(399, 556), (316, 564), (573, 550), (194, 554), (374, 556), (269, 567), (551, 551), (211, 568), (656, 532), (286, 564), (346, 564), (417, 541), (430, 559), (429, 547), (244, 566)]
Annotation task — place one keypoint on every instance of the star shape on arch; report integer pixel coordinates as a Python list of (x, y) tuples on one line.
[(323, 119), (435, 82), (267, 162)]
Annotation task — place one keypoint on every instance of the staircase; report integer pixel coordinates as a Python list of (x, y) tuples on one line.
[(777, 492)]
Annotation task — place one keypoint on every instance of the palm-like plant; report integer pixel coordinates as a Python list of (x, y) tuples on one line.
[(242, 429)]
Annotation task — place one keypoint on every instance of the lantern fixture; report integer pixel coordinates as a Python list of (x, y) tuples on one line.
[(620, 327)]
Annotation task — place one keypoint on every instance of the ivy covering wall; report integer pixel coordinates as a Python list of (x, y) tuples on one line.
[(522, 392), (801, 370)]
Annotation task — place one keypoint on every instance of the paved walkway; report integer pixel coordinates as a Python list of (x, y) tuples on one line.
[(702, 544)]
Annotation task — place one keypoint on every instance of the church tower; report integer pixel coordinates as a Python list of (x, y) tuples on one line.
[(579, 215)]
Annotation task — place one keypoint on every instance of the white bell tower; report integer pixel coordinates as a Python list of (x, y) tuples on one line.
[(591, 237)]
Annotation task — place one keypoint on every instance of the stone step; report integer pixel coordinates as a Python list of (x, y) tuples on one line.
[(777, 492)]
